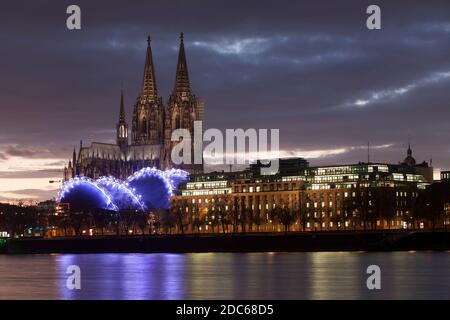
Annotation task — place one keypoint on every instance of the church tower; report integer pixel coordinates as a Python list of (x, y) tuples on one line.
[(74, 163), (122, 127), (409, 160), (152, 125), (148, 115), (182, 110)]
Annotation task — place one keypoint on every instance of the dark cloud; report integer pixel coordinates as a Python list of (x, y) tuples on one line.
[(295, 65), (47, 173), (15, 151)]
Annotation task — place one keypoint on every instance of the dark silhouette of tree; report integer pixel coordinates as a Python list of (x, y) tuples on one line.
[(246, 219), (250, 215), (257, 220), (303, 211), (383, 205), (356, 206), (430, 204), (235, 215), (154, 221), (168, 220), (101, 219), (223, 212), (273, 217), (60, 221), (286, 217), (197, 223), (10, 218), (78, 221), (128, 220), (177, 212), (361, 198), (142, 221)]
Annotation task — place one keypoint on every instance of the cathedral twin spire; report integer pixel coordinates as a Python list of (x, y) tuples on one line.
[(149, 91), (122, 109), (182, 87), (122, 127), (148, 114)]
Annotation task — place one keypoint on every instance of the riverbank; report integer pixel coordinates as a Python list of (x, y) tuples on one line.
[(256, 242)]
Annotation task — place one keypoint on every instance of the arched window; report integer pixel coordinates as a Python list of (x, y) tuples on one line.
[(177, 121), (144, 125), (122, 132)]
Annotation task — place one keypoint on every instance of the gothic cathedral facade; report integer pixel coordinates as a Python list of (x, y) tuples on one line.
[(150, 143)]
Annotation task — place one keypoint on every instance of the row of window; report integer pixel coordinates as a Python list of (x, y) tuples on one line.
[(267, 188), (206, 185), (205, 192)]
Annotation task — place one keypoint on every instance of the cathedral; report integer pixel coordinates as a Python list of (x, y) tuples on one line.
[(150, 143)]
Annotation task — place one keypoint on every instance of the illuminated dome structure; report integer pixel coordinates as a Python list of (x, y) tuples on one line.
[(147, 189), (153, 186), (121, 195), (176, 176), (83, 194)]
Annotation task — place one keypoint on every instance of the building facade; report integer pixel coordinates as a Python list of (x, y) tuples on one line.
[(357, 196), (149, 144)]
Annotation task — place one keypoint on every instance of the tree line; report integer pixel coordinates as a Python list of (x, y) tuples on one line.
[(364, 208)]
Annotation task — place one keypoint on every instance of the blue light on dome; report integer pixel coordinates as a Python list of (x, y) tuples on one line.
[(147, 189), (83, 194)]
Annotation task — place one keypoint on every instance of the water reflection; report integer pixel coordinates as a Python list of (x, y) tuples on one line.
[(337, 275), (124, 276)]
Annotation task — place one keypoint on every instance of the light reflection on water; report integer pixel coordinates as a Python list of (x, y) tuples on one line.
[(319, 275)]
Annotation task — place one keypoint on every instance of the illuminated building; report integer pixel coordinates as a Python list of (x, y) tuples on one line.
[(445, 175), (363, 195), (150, 143)]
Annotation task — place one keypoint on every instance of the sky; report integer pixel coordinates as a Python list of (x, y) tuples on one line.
[(309, 68)]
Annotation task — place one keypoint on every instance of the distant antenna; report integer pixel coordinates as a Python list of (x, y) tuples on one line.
[(368, 152), (231, 168)]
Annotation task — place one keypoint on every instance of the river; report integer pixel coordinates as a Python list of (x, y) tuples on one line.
[(316, 275)]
